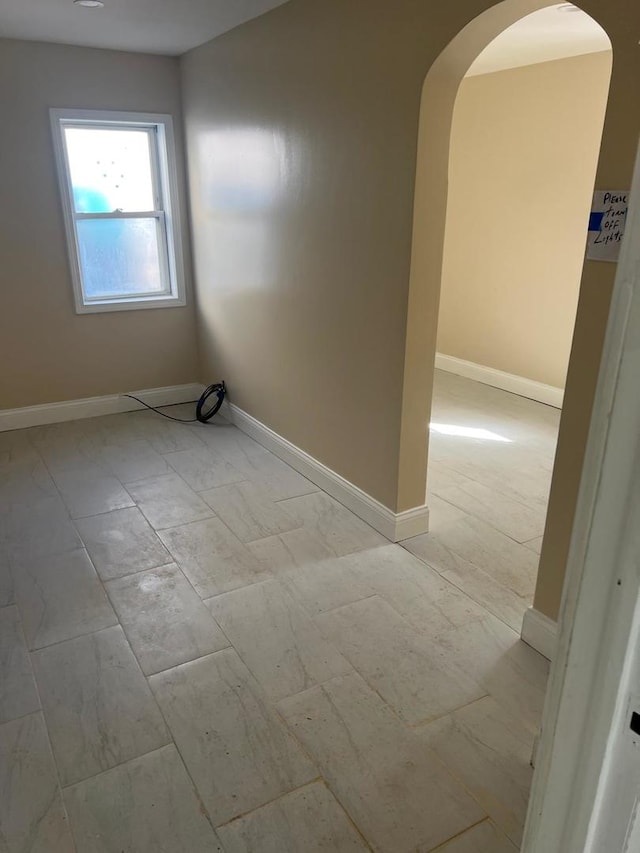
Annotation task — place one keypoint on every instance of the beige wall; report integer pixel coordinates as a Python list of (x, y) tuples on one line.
[(524, 151), (301, 141), (47, 351), (315, 303)]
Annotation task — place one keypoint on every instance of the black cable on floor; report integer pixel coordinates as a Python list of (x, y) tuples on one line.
[(164, 414), (203, 414)]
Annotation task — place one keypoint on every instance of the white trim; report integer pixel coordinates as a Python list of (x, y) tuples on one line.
[(91, 407), (581, 787), (163, 156), (395, 526), (548, 394), (539, 632)]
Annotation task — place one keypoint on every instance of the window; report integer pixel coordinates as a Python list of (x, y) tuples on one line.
[(119, 195)]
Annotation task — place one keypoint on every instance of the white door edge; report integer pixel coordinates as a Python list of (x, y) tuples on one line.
[(589, 679)]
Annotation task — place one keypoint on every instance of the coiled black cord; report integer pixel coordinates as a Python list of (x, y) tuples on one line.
[(204, 412)]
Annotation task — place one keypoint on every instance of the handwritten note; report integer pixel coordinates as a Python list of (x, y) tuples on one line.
[(606, 224)]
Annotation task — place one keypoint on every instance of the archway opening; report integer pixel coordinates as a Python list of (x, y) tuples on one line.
[(525, 138), (482, 140), (511, 124)]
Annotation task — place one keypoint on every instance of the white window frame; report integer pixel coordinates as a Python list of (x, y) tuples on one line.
[(166, 214)]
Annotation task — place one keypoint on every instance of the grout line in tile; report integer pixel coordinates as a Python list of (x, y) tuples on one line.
[(169, 741), (273, 700), (516, 500), (17, 556), (322, 683), (350, 818), (311, 757), (316, 616), (52, 756), (269, 802), (188, 662), (139, 571), (128, 642), (239, 589), (115, 766), (441, 846), (29, 713), (154, 569), (71, 518), (191, 660), (422, 724), (158, 529), (481, 519), (418, 631), (460, 589), (119, 764), (204, 810), (258, 580), (321, 491), (319, 780), (434, 637), (77, 637), (462, 784), (109, 511)]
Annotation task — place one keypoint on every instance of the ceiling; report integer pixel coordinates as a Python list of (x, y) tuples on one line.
[(150, 26), (555, 32), (174, 26)]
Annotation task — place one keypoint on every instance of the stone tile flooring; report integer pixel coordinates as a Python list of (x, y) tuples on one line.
[(200, 651)]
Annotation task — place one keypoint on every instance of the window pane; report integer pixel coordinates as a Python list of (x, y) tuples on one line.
[(110, 169), (119, 257)]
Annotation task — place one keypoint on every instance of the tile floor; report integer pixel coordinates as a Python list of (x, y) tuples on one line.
[(200, 651)]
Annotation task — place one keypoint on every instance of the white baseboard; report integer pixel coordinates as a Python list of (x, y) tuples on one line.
[(539, 632), (548, 394), (395, 526), (91, 407)]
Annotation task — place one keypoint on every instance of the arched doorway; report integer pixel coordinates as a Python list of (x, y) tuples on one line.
[(432, 193)]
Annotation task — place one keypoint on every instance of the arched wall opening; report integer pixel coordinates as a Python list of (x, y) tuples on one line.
[(525, 140), (439, 95)]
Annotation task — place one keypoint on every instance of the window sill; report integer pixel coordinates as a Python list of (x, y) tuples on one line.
[(100, 307)]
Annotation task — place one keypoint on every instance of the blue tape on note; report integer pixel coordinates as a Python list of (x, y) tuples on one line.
[(595, 220)]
